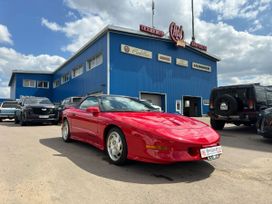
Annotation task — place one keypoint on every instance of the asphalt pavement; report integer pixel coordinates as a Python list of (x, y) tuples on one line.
[(36, 166)]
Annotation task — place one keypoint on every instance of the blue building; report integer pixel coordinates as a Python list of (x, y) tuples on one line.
[(128, 62)]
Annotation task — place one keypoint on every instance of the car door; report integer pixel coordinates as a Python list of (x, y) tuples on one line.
[(84, 123)]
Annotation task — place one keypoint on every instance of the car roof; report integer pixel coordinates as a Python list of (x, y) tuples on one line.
[(239, 86)]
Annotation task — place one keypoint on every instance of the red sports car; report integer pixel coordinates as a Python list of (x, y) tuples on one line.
[(127, 128)]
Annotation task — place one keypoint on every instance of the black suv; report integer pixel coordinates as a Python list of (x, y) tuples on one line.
[(238, 104), (36, 110)]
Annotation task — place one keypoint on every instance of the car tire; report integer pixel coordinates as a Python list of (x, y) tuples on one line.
[(65, 131), (217, 124), (22, 121), (55, 122), (247, 124), (116, 146), (16, 121)]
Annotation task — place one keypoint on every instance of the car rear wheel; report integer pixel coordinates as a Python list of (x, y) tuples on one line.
[(217, 124), (65, 131), (116, 146)]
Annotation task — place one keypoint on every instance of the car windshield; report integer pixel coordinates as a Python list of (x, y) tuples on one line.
[(124, 104), (9, 105), (38, 101)]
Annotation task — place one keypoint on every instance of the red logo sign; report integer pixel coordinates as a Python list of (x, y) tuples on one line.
[(176, 32), (151, 31), (199, 46), (126, 48)]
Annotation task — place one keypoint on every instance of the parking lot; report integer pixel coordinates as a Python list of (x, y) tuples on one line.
[(36, 166)]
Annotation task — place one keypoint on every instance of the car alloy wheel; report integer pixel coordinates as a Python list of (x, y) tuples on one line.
[(116, 146), (65, 131)]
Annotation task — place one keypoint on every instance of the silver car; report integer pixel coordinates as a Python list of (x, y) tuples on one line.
[(7, 110)]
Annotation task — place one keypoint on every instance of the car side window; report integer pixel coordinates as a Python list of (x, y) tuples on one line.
[(261, 95), (90, 101), (269, 97)]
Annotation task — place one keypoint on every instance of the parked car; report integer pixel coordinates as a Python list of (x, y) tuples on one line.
[(68, 102), (7, 110), (238, 104), (264, 124), (129, 129), (36, 110)]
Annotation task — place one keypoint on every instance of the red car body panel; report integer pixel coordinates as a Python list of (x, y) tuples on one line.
[(181, 138)]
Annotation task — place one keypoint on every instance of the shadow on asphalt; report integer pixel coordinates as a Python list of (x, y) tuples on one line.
[(246, 138), (95, 162)]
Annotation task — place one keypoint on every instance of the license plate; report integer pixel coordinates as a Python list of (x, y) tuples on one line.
[(224, 106), (43, 116), (211, 152)]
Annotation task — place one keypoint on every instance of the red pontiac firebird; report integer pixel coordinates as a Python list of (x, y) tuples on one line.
[(127, 128)]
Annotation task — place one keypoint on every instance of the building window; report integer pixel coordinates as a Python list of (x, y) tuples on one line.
[(77, 71), (43, 84), (178, 106), (65, 78), (206, 102), (29, 83), (56, 83), (94, 62)]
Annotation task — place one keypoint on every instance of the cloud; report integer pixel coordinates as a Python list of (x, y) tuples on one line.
[(5, 36), (245, 57), (11, 59), (79, 31), (50, 25), (242, 54), (230, 9), (256, 26)]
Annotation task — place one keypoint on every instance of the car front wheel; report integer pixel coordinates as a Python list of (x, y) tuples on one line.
[(217, 124), (65, 131), (16, 121), (22, 121), (116, 146)]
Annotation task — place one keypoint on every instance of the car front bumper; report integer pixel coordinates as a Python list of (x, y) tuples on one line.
[(163, 150), (41, 118), (241, 117), (7, 116)]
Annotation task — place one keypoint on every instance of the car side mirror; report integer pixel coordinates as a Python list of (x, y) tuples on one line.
[(93, 109)]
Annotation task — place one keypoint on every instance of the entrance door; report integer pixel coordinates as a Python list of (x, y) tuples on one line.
[(155, 99), (192, 106)]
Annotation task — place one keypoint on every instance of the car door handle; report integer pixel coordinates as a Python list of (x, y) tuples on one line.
[(73, 114)]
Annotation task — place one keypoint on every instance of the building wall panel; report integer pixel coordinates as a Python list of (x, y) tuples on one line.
[(28, 91), (94, 80), (131, 74)]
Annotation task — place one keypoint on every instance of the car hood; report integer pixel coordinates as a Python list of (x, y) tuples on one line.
[(7, 110), (170, 125)]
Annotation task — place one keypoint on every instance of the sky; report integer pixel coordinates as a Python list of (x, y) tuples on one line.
[(42, 34)]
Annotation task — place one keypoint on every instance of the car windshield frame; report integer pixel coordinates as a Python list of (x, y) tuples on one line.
[(125, 104), (37, 101)]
